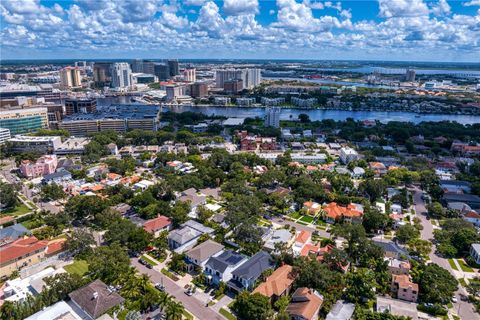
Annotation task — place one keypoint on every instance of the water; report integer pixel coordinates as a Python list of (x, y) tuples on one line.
[(369, 69), (314, 114), (327, 81)]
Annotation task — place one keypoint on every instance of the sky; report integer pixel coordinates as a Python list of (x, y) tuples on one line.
[(405, 30)]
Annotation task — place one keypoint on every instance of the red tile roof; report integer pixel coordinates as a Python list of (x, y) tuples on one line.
[(335, 212), (280, 280), (21, 247), (56, 246), (156, 224), (303, 236)]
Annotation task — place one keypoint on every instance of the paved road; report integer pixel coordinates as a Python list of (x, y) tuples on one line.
[(464, 309), (195, 307), (300, 227)]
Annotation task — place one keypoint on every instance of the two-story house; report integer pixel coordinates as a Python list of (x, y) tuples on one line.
[(198, 256), (219, 268), (403, 288), (246, 276)]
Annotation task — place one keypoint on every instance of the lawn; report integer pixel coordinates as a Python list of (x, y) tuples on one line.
[(464, 266), (307, 219), (149, 260), (227, 314), (452, 264), (294, 215), (462, 282), (17, 211), (79, 267)]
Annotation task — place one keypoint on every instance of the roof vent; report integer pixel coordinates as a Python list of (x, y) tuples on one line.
[(95, 295)]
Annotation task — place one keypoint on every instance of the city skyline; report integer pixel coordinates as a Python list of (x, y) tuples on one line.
[(400, 30)]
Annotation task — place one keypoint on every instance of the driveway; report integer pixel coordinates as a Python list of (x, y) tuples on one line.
[(192, 304), (300, 227)]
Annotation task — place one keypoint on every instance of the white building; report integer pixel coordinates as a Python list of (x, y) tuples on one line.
[(190, 74), (121, 75), (245, 101), (4, 135), (272, 117), (250, 77), (174, 92), (348, 155), (304, 103), (223, 101), (43, 145), (272, 101), (70, 78)]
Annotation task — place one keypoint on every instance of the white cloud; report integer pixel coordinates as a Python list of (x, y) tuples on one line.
[(239, 7), (441, 8), (472, 3), (402, 8), (314, 5)]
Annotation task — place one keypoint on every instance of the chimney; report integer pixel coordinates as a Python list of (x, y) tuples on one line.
[(95, 295)]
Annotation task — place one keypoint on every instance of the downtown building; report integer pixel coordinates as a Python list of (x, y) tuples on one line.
[(121, 76), (70, 78), (250, 77), (23, 120), (190, 74), (272, 117), (102, 75), (80, 105)]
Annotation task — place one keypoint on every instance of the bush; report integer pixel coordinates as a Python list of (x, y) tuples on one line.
[(435, 310)]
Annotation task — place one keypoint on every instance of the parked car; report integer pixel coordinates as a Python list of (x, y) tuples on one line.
[(454, 299), (160, 286)]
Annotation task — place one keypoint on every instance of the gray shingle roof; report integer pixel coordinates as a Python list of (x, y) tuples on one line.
[(224, 260), (253, 268), (12, 233), (204, 250)]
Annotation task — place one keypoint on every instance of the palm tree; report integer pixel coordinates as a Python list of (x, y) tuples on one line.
[(174, 311), (164, 300)]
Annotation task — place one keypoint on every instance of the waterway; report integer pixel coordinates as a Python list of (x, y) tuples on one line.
[(314, 114)]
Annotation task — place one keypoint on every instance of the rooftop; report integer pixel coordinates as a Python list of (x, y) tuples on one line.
[(204, 250), (280, 280), (225, 260), (127, 111)]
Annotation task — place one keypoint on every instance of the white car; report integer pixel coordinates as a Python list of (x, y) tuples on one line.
[(454, 299)]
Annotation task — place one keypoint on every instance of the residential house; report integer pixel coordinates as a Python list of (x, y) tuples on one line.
[(219, 268), (303, 237), (58, 177), (456, 186), (305, 304), (472, 217), (403, 288), (12, 233), (123, 208), (157, 225), (25, 252), (278, 236), (396, 208), (186, 237), (278, 284), (194, 198), (475, 252), (312, 208), (198, 256), (96, 298), (341, 310), (391, 249), (358, 172), (112, 149), (469, 199), (143, 185), (398, 267), (348, 155), (378, 167), (246, 276), (315, 251), (60, 311), (397, 307), (352, 213)]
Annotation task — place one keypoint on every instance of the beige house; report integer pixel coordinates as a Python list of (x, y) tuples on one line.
[(404, 289)]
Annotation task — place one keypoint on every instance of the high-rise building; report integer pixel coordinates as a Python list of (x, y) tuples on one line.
[(4, 135), (162, 71), (81, 64), (272, 117), (173, 68), (174, 91), (121, 75), (23, 120), (80, 106), (233, 86), (137, 66), (410, 75), (199, 89), (253, 78), (102, 75), (227, 74), (250, 77), (190, 74), (70, 77), (148, 67)]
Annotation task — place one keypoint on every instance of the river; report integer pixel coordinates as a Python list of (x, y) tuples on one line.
[(314, 114)]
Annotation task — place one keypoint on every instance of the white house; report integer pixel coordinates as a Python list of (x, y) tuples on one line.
[(475, 252), (348, 155)]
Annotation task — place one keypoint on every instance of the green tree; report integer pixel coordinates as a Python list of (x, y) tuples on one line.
[(83, 208), (52, 191), (406, 232), (80, 242), (419, 247), (435, 209), (374, 220), (473, 287), (252, 306), (108, 262), (8, 195), (372, 188), (436, 284), (360, 285)]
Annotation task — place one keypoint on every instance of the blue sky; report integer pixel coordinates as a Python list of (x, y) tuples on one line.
[(437, 30)]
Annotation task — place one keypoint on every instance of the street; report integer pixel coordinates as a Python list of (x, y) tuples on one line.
[(463, 308), (195, 307)]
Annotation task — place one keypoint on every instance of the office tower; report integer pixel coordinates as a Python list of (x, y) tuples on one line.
[(148, 67), (121, 75), (233, 86), (81, 64), (272, 117), (162, 71), (227, 74), (23, 120), (137, 66), (4, 135), (199, 89), (253, 78), (410, 75), (173, 68), (70, 77), (190, 74), (80, 105), (174, 91), (102, 74)]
